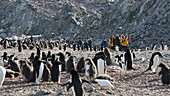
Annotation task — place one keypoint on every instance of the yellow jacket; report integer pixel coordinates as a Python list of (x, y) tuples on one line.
[(111, 43), (124, 41)]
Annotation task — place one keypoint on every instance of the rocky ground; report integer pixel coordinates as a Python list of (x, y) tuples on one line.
[(126, 83)]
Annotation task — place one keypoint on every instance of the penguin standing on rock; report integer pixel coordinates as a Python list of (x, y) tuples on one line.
[(165, 72), (154, 61), (76, 84)]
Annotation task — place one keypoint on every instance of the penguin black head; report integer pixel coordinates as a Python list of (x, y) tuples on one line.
[(49, 54)]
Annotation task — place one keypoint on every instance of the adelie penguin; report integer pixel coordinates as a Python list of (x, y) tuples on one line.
[(55, 71), (61, 58), (100, 62), (165, 72), (26, 70), (38, 69), (154, 61), (70, 64), (19, 46), (118, 61), (90, 69), (2, 75), (128, 60), (81, 65), (108, 56), (76, 84)]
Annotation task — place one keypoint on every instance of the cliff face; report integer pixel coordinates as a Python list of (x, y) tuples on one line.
[(146, 21)]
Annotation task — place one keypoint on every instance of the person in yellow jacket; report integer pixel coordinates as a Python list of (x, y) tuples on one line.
[(125, 42), (111, 42)]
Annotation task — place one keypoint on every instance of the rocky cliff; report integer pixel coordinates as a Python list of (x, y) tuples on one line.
[(146, 21)]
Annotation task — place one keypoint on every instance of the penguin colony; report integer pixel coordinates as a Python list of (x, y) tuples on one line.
[(47, 67)]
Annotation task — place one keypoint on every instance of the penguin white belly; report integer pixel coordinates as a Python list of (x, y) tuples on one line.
[(86, 70), (117, 61), (41, 69), (155, 63), (2, 75), (100, 66), (123, 57), (60, 66), (104, 83)]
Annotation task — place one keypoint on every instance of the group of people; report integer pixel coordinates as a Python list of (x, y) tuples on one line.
[(122, 42)]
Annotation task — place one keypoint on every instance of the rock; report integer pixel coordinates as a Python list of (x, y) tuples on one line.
[(145, 20)]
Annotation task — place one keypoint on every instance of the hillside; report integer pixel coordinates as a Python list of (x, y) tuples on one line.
[(146, 21)]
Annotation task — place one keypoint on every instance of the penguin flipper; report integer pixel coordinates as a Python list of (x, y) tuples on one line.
[(83, 80), (68, 82), (160, 72)]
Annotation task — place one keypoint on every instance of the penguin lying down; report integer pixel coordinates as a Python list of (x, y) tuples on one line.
[(76, 84), (104, 80)]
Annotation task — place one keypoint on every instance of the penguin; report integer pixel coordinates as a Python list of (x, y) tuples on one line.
[(81, 65), (128, 60), (65, 47), (11, 74), (119, 61), (39, 72), (26, 70), (105, 77), (74, 47), (104, 83), (55, 72), (38, 69), (67, 56), (101, 66), (19, 46), (2, 75), (154, 61), (5, 43), (61, 58), (60, 47), (24, 46), (13, 65), (90, 69), (76, 84), (153, 47), (49, 54), (52, 59), (44, 57), (165, 72), (108, 56), (5, 59), (31, 58), (38, 51), (50, 45), (70, 64), (97, 56), (46, 73)]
